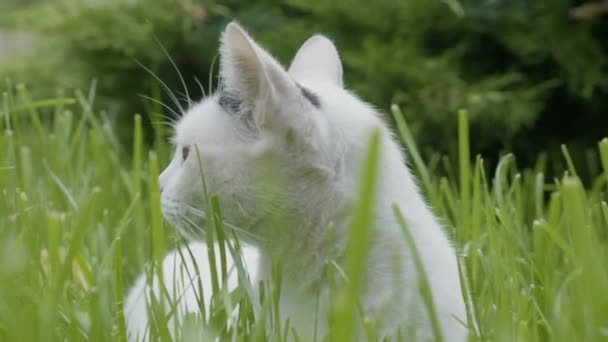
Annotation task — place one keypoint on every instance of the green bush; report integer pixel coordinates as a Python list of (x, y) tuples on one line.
[(529, 73)]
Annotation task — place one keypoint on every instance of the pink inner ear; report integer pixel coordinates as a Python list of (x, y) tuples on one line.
[(317, 58)]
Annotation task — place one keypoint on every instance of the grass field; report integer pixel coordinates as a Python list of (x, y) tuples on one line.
[(80, 217)]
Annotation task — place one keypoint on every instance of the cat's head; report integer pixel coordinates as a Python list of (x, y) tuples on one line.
[(268, 140)]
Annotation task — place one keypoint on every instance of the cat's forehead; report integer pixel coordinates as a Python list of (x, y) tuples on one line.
[(203, 122)]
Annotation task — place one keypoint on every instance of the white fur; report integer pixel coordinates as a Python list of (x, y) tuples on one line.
[(317, 58), (285, 170), (184, 270)]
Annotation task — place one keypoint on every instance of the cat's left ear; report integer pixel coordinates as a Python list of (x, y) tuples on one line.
[(317, 58), (255, 76)]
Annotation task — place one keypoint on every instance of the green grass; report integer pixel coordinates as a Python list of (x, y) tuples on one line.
[(80, 217)]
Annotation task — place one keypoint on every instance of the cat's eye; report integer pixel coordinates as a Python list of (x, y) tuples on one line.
[(185, 152)]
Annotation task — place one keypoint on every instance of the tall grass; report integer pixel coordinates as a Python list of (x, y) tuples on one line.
[(80, 217)]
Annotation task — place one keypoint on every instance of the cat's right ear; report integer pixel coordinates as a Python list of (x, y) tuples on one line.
[(255, 76), (317, 58)]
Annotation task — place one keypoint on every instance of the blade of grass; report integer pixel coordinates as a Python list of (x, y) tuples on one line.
[(346, 303), (412, 149), (423, 282)]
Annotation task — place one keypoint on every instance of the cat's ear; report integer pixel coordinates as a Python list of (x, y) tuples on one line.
[(317, 58), (254, 75)]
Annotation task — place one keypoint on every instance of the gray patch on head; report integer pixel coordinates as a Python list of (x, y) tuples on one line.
[(230, 101), (233, 104), (311, 97)]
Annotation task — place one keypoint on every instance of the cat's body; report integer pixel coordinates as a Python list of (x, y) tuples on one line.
[(186, 278), (284, 151)]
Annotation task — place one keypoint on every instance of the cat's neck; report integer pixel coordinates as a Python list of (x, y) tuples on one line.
[(318, 230)]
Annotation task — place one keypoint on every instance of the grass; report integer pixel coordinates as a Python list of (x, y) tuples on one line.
[(80, 217)]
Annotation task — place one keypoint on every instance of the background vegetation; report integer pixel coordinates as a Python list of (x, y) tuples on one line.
[(532, 75)]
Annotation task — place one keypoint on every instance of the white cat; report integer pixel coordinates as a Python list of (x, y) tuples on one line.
[(283, 150)]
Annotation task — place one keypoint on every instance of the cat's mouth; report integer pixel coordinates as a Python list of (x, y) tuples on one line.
[(192, 224)]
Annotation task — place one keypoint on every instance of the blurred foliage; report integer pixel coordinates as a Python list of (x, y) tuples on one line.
[(531, 74)]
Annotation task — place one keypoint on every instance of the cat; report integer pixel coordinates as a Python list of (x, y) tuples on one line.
[(283, 150)]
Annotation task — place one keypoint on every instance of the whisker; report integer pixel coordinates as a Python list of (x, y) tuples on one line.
[(163, 85), (243, 232), (220, 83), (212, 67), (195, 211), (171, 122), (167, 107), (168, 124), (179, 74), (196, 227), (189, 226), (201, 87), (185, 97), (201, 214)]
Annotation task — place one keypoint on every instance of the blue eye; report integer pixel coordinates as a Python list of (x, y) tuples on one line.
[(185, 152)]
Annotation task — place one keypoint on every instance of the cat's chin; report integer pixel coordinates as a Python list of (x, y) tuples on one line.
[(189, 221)]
